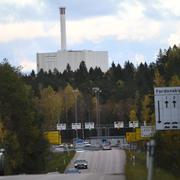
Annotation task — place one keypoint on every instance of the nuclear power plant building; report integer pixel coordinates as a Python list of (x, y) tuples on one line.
[(59, 60)]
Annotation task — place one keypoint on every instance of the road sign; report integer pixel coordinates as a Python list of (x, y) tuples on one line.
[(76, 126), (133, 124), (89, 125), (61, 126), (147, 131), (119, 124), (130, 137), (167, 108), (138, 134), (54, 137)]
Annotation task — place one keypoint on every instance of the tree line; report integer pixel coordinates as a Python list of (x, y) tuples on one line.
[(33, 103)]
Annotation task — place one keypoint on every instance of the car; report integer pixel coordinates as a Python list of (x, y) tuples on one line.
[(57, 148), (124, 146), (81, 164), (87, 144), (106, 147), (72, 171)]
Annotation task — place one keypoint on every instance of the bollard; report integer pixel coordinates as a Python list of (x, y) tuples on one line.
[(134, 160)]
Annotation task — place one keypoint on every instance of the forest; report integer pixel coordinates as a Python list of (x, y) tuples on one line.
[(126, 93), (37, 102)]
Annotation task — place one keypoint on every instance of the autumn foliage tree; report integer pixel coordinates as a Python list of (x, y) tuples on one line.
[(20, 135), (50, 104)]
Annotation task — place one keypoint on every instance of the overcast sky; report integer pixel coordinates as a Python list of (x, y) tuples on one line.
[(131, 30)]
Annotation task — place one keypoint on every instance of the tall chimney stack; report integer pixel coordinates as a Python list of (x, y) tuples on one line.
[(63, 28)]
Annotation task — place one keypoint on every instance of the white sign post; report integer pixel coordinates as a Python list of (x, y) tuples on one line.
[(119, 124), (167, 108), (147, 131), (61, 126), (76, 126), (89, 125), (133, 124)]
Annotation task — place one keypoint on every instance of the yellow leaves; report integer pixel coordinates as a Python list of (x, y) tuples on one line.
[(94, 101), (158, 79), (47, 92), (51, 106), (132, 115), (146, 110), (69, 97), (2, 132), (120, 84), (146, 101), (175, 81)]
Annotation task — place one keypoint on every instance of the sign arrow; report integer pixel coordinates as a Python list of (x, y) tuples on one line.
[(159, 121), (166, 102), (174, 103)]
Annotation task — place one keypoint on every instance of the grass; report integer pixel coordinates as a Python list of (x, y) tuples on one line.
[(59, 161), (164, 175), (139, 171)]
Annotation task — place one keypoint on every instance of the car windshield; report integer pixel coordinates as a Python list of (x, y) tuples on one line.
[(80, 161)]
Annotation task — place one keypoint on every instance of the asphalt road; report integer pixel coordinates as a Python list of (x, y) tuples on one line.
[(103, 162), (103, 165)]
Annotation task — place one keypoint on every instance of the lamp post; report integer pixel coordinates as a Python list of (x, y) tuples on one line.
[(66, 107), (75, 92), (97, 91)]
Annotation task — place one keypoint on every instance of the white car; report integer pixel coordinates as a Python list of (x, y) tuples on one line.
[(125, 146), (106, 147)]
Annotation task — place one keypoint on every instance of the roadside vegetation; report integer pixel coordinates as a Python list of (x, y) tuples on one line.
[(21, 133), (138, 171), (57, 162)]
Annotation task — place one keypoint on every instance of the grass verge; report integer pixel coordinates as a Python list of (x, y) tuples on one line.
[(139, 171), (59, 161)]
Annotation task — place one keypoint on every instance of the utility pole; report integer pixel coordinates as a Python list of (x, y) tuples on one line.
[(75, 92), (97, 91), (151, 159), (66, 108)]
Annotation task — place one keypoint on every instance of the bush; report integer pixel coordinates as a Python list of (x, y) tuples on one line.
[(167, 154)]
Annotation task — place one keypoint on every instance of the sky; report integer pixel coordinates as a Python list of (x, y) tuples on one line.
[(130, 30)]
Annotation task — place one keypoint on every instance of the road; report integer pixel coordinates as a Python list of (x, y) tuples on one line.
[(102, 165), (103, 162)]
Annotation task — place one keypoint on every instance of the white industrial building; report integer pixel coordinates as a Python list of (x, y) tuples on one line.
[(59, 60)]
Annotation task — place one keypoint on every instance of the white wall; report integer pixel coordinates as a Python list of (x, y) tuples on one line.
[(60, 59)]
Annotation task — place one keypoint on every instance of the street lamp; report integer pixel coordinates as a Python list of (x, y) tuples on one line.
[(66, 109), (75, 92), (97, 91)]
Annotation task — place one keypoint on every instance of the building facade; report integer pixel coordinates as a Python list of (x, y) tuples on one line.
[(59, 60)]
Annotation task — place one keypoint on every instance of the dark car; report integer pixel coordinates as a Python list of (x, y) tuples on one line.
[(81, 164), (72, 171)]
